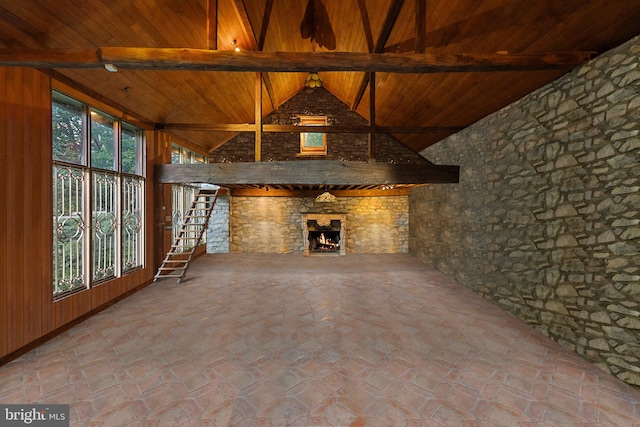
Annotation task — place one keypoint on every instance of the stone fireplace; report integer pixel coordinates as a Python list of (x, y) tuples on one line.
[(324, 233)]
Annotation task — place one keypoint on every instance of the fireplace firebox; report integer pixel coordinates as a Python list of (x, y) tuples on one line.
[(324, 234)]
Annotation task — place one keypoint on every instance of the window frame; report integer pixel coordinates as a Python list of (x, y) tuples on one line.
[(313, 150), (116, 192)]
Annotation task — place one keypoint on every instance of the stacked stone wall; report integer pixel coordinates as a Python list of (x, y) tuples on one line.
[(274, 224), (218, 227), (546, 219)]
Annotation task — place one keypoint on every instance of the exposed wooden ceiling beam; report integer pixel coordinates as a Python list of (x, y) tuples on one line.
[(389, 22), (247, 28), (224, 60), (254, 43), (212, 24), (250, 127), (371, 153), (421, 24), (366, 23), (258, 119), (266, 17), (321, 172), (228, 137)]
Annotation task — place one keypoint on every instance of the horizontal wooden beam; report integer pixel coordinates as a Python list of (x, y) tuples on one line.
[(275, 192), (228, 60), (50, 58), (307, 172), (249, 127), (206, 60)]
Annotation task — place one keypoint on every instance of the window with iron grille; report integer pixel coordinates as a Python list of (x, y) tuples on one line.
[(98, 196)]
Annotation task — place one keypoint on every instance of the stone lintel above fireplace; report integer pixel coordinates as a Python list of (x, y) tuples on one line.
[(325, 220)]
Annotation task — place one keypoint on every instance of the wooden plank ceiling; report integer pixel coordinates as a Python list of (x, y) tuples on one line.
[(196, 99)]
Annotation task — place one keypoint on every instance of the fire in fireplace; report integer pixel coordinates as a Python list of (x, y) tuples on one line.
[(327, 241), (324, 233)]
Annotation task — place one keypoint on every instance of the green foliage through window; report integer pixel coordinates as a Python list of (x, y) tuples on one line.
[(98, 196)]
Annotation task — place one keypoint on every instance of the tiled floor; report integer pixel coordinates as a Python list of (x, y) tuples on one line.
[(276, 340)]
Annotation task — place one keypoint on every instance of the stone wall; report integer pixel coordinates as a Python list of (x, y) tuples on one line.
[(340, 146), (218, 227), (546, 219), (274, 224)]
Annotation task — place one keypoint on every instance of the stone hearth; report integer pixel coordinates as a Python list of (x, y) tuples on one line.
[(331, 226)]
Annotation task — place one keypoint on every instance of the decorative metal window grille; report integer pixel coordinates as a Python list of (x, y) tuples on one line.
[(69, 229), (132, 214), (98, 211), (104, 230)]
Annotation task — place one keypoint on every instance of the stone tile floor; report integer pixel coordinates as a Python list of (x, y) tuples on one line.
[(286, 340)]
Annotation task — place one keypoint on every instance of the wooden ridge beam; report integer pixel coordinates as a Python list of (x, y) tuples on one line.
[(250, 127), (255, 61), (307, 172)]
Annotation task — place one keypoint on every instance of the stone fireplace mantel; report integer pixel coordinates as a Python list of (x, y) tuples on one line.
[(324, 220)]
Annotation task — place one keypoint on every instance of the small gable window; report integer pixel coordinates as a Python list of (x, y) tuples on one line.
[(313, 143)]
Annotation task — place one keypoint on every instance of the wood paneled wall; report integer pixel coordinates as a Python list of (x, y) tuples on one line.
[(27, 310)]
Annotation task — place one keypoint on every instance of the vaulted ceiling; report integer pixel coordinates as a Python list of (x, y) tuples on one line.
[(430, 104)]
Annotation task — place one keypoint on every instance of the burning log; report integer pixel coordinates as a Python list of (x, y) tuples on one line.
[(325, 244)]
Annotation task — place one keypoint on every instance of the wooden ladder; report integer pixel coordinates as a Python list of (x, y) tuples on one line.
[(193, 227)]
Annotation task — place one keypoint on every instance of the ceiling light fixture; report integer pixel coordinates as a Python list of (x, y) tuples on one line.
[(313, 80), (235, 45), (326, 197), (111, 68)]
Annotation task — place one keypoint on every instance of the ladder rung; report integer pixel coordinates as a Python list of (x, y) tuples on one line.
[(204, 201)]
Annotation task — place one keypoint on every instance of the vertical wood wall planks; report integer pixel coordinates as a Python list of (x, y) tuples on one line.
[(4, 211), (25, 263), (27, 310)]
